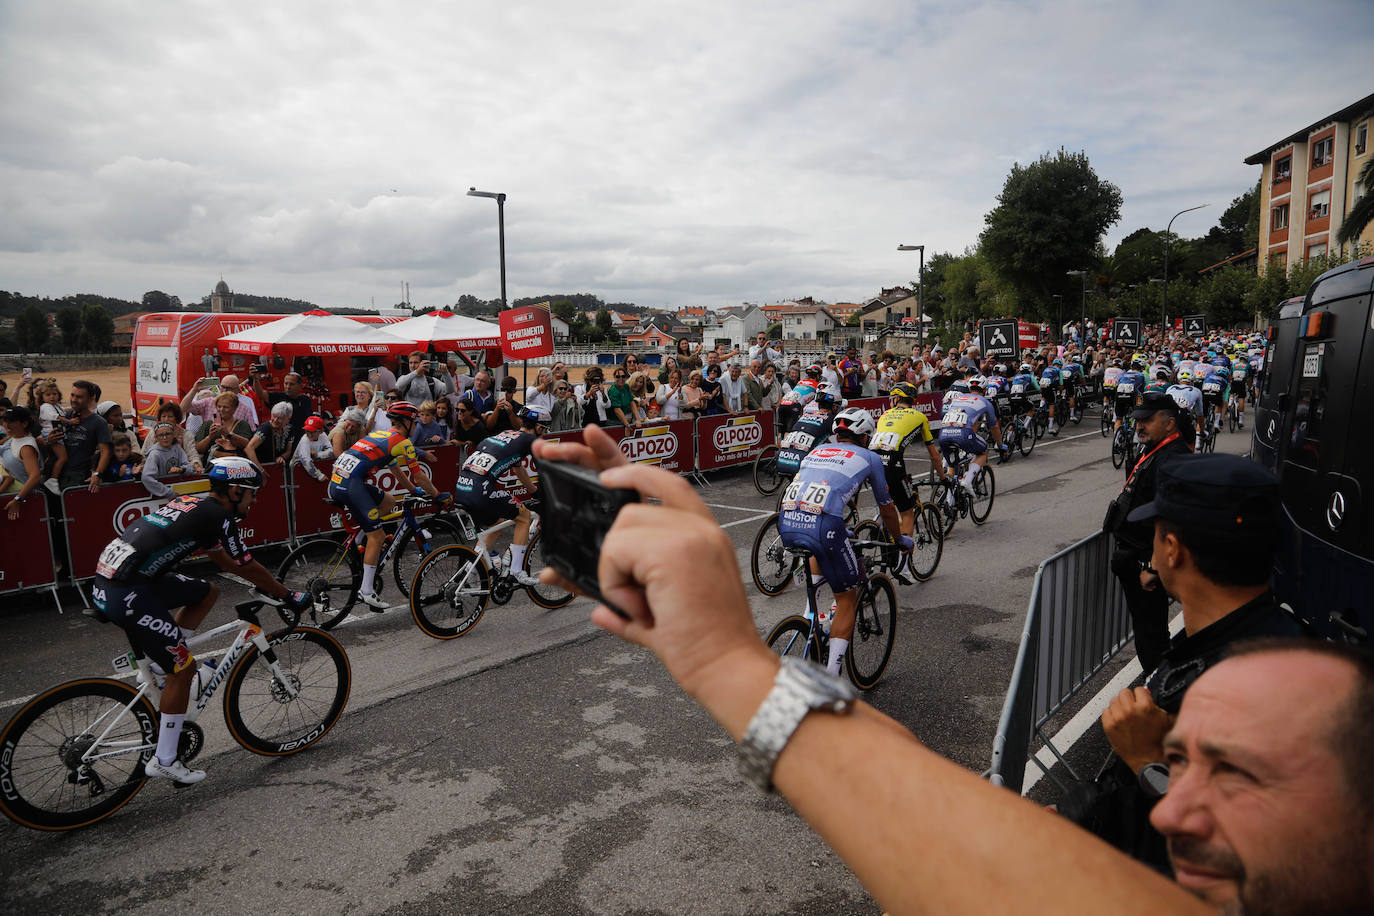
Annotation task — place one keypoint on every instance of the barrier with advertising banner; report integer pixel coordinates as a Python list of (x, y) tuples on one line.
[(670, 444), (731, 439), (94, 519), (27, 560)]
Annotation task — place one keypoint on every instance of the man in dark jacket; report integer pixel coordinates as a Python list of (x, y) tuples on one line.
[(1157, 428)]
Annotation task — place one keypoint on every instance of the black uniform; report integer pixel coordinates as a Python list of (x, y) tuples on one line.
[(478, 490)]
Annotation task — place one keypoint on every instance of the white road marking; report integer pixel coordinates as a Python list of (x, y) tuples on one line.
[(745, 521), (1091, 712)]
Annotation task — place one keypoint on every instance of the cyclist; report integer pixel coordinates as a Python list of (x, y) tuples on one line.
[(1128, 389), (901, 425), (1215, 387), (479, 489), (1023, 387), (1051, 377), (997, 392), (134, 587), (1189, 401), (811, 429), (1110, 376), (812, 517), (349, 486), (965, 410), (1072, 376), (1240, 373), (795, 401)]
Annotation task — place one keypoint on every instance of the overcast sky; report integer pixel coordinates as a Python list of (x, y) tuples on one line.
[(664, 153)]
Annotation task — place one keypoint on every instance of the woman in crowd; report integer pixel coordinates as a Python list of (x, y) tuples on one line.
[(365, 399), (567, 412), (693, 395), (669, 396), (170, 412), (467, 427), (669, 364), (348, 430), (223, 435), (688, 355), (20, 460), (541, 392), (793, 378), (713, 392), (640, 387), (592, 397), (772, 388)]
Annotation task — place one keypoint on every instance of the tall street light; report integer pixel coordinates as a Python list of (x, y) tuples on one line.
[(1164, 306), (920, 293), (500, 232), (1083, 326), (1142, 322), (1059, 328)]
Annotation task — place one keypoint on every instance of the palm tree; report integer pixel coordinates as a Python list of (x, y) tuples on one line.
[(1362, 213)]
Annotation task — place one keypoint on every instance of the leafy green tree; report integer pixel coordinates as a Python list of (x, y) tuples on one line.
[(155, 300), (1225, 296), (1048, 221), (69, 323), (605, 325), (31, 330), (97, 327), (1362, 213)]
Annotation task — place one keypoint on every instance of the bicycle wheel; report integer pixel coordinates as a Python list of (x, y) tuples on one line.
[(257, 709), (1119, 448), (1106, 423), (984, 492), (450, 591), (946, 503), (546, 596), (771, 563), (42, 782), (792, 636), (329, 572), (875, 629), (887, 556), (766, 476), (1230, 418), (410, 550), (1025, 437), (929, 535), (1042, 422)]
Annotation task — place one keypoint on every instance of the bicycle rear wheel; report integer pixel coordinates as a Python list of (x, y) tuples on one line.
[(929, 535), (331, 572), (546, 596), (1025, 436), (43, 784), (1106, 422), (766, 476), (260, 714), (875, 629), (1119, 448), (771, 563), (411, 548), (450, 591), (984, 492), (792, 636), (1230, 418)]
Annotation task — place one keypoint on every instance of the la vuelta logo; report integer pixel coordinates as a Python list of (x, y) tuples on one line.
[(739, 434), (650, 444)]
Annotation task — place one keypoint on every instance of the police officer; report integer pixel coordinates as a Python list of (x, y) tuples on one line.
[(1157, 427)]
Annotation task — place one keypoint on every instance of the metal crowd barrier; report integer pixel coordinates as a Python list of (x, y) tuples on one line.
[(1076, 623)]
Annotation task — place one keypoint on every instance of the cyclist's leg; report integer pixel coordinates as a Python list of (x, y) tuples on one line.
[(366, 505), (902, 497), (840, 567), (520, 541)]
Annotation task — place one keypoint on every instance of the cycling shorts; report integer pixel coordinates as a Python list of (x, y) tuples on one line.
[(488, 505), (898, 489), (1211, 402), (143, 609), (789, 460), (827, 539), (1122, 407), (1238, 387), (953, 438), (361, 499), (1021, 404)]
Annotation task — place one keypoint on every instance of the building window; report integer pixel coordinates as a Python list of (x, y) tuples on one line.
[(1319, 205), (1279, 217), (1283, 169), (1361, 138), (1321, 151), (1316, 250), (1278, 261)]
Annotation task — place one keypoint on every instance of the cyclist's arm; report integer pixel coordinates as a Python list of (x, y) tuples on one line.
[(524, 477), (252, 570)]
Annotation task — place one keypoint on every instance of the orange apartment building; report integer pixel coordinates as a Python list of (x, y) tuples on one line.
[(1310, 182)]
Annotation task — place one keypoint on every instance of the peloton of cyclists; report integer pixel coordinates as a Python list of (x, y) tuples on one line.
[(812, 428), (965, 411)]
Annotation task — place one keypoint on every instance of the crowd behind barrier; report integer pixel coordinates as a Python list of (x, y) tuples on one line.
[(1076, 623)]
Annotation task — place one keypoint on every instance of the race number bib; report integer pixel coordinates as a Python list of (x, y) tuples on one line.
[(114, 556), (812, 498), (889, 440), (799, 440), (480, 463), (1212, 387), (1019, 388), (346, 464), (956, 417), (1125, 388)]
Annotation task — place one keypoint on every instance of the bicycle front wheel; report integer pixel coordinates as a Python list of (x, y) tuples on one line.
[(1106, 423), (43, 782), (984, 492), (1025, 438), (412, 547), (546, 596), (792, 636), (873, 542), (263, 717), (1119, 448), (930, 542), (766, 476), (875, 629), (771, 563), (450, 591), (330, 572)]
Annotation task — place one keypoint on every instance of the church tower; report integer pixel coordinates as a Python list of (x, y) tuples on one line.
[(222, 299)]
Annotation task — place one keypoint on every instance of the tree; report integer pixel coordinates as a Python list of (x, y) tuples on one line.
[(1048, 221), (31, 330), (69, 323), (155, 300), (97, 327), (1362, 214), (1225, 295), (605, 325)]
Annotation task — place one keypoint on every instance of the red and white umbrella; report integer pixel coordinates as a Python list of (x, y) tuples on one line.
[(447, 331), (317, 333)]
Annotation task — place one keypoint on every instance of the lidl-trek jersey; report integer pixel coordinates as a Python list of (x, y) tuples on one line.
[(375, 450)]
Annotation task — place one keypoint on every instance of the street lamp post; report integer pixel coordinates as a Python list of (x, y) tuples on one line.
[(1059, 328), (1083, 327), (920, 293), (500, 232), (1164, 306)]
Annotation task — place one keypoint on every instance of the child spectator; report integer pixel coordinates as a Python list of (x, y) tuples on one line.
[(126, 463), (430, 430), (313, 446), (165, 458)]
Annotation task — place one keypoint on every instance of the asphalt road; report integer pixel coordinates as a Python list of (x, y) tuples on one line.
[(538, 765)]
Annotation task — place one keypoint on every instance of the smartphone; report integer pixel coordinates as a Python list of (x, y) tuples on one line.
[(578, 511), (27, 374)]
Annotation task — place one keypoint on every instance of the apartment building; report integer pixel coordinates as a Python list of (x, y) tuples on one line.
[(1310, 182)]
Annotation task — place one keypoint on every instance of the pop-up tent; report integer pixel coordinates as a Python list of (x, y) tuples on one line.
[(444, 330), (317, 333)]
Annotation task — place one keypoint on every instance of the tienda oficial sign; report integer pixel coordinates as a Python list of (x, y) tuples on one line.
[(526, 333)]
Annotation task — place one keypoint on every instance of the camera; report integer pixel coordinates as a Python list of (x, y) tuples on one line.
[(578, 511)]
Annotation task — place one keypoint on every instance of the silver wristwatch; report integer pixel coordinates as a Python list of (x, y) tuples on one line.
[(799, 688)]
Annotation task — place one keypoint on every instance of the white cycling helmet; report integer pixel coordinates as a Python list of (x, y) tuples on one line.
[(960, 386), (855, 420), (979, 382)]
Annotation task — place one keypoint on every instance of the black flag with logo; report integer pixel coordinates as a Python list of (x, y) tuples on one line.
[(998, 339), (1195, 325), (1126, 331)]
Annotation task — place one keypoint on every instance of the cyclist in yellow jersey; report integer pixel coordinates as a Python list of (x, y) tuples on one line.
[(898, 427)]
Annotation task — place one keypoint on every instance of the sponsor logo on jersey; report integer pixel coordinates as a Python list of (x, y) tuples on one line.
[(651, 444), (133, 510), (737, 435), (833, 451)]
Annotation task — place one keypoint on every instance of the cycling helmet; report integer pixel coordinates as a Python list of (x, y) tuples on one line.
[(825, 398), (403, 410), (904, 390), (1000, 369), (1185, 377), (1027, 367), (856, 421), (1162, 373), (1138, 364), (1117, 362), (814, 370), (978, 382), (235, 471), (536, 413), (1223, 371), (1058, 364), (961, 386)]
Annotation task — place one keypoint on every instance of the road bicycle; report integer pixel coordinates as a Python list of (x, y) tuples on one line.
[(1107, 422), (74, 754), (1021, 434), (1124, 449), (771, 564), (330, 568), (875, 624), (928, 535), (955, 502), (767, 477), (1042, 418), (452, 587), (1232, 414)]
